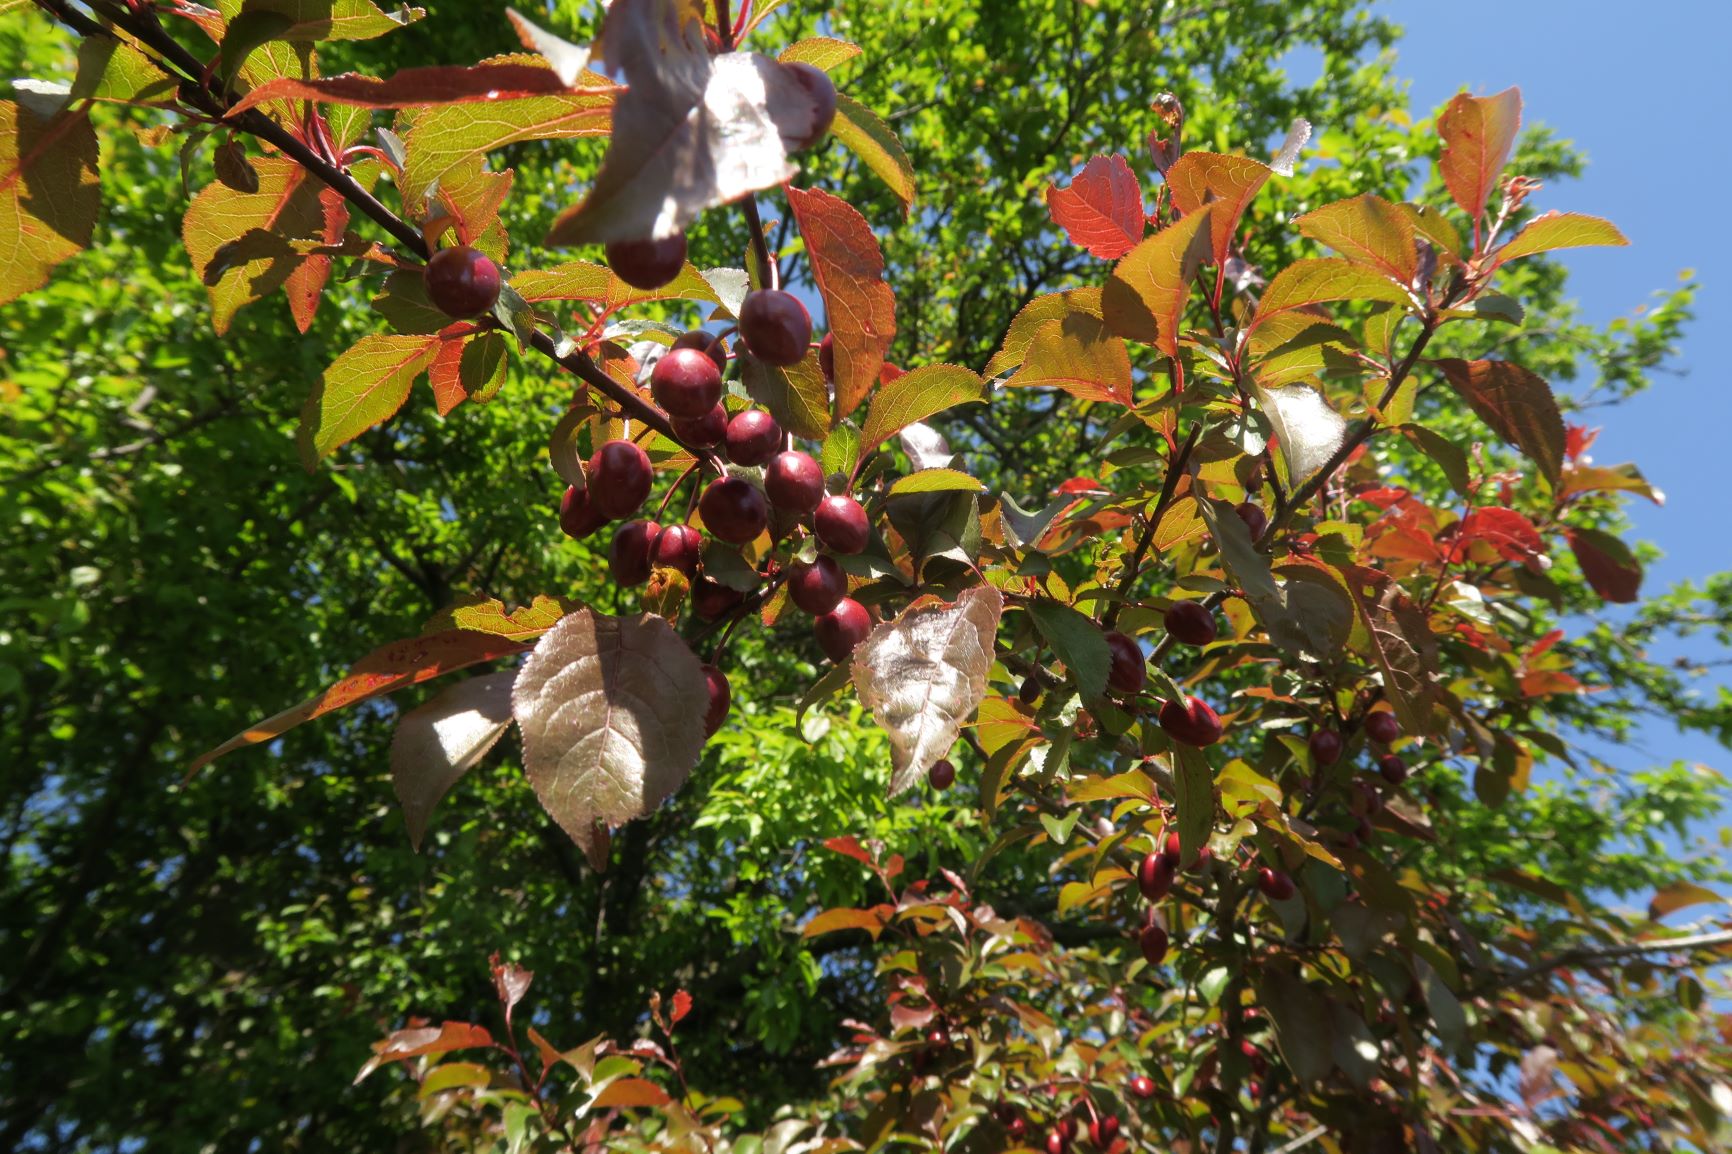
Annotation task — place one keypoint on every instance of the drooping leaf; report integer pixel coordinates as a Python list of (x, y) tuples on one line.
[(1078, 355), (1477, 133), (796, 395), (1517, 404), (1402, 644), (912, 397), (1367, 230), (362, 388), (1353, 1045), (864, 133), (49, 193), (1102, 209), (1309, 427), (612, 718), (438, 743), (1308, 282), (923, 674), (1302, 1023), (1554, 230), (1611, 569), (1227, 184), (1144, 300), (1077, 641), (510, 78), (849, 268)]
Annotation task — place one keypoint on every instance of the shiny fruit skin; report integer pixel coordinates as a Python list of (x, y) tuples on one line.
[(794, 481), (1191, 721), (1190, 623), (1029, 692), (1155, 876), (817, 586), (461, 282), (1171, 851), (1016, 1128), (705, 431), (1392, 768), (720, 697), (1276, 886), (628, 558), (1153, 942), (733, 510), (1143, 1087), (942, 775), (841, 629), (711, 599), (1325, 747), (678, 547), (1382, 727), (1255, 519), (708, 344), (822, 90), (1056, 1142), (1103, 1130), (827, 357), (1127, 673), (753, 437), (686, 383), (776, 327), (578, 516), (620, 478), (647, 264), (841, 525)]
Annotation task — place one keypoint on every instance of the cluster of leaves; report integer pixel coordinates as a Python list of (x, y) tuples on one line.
[(1378, 996)]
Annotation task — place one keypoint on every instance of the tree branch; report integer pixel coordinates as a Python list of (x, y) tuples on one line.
[(1587, 956)]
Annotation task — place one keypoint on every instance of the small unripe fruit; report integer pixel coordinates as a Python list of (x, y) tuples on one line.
[(678, 547), (822, 90), (1190, 623), (1191, 721), (1142, 1086), (753, 437), (841, 525), (720, 697), (1276, 886), (817, 587), (827, 357), (708, 344), (1392, 768), (1103, 1130), (1255, 519), (1155, 876), (776, 327), (794, 481), (686, 383), (620, 477), (461, 282), (578, 516), (733, 510), (1325, 747), (942, 775), (843, 628), (647, 264), (628, 558), (1127, 673), (702, 432), (1153, 942), (1382, 727), (711, 599)]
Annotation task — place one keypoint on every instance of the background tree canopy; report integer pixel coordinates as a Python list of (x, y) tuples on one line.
[(204, 963)]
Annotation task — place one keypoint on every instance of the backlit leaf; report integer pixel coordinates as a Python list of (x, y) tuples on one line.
[(1367, 230), (830, 921), (509, 78), (287, 204), (630, 1093), (567, 60), (1611, 569), (1308, 282), (459, 137), (864, 133), (1079, 356), (1309, 427), (796, 396), (1477, 133), (936, 481), (1554, 230), (1627, 478), (580, 280), (924, 674), (49, 194), (362, 388), (860, 308), (110, 69), (1517, 404), (1144, 300), (435, 745), (825, 53), (416, 1041), (912, 397), (1679, 895), (1102, 209), (314, 20), (1226, 184)]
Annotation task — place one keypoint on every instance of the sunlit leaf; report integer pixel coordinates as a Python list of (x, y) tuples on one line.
[(510, 78), (913, 397), (49, 194), (1367, 230), (435, 745), (1226, 184), (1077, 641), (1102, 209), (362, 388), (1477, 133), (1308, 282), (860, 308), (1554, 230), (796, 395), (1144, 300), (1517, 404), (1079, 356)]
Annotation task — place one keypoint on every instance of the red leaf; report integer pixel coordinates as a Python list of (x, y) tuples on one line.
[(848, 847), (1578, 439), (414, 1042), (1229, 183), (1477, 132), (1507, 531), (682, 1006), (414, 87), (849, 268), (630, 1092), (511, 981), (1611, 569), (1517, 404), (445, 375), (1102, 210), (306, 285)]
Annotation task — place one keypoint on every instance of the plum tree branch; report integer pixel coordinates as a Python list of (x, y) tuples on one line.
[(1589, 955)]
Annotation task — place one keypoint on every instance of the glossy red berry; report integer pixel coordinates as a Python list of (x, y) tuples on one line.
[(827, 357), (822, 91), (1153, 942), (1190, 623), (1172, 851), (733, 510), (647, 264), (628, 559), (1255, 519), (841, 524), (708, 344), (461, 282), (753, 437), (702, 432), (942, 775), (1103, 1130), (1191, 721), (1392, 768), (578, 516), (720, 697), (1142, 1086), (1067, 1127), (1016, 1127), (938, 1037), (1128, 671), (818, 586), (686, 383), (712, 599), (776, 327), (843, 628), (1325, 747), (620, 477), (1056, 1142), (1155, 876), (678, 547), (1276, 886), (794, 481), (1382, 727)]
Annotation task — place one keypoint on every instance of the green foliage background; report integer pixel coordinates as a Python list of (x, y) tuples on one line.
[(202, 964)]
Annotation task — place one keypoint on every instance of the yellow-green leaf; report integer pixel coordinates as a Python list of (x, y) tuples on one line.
[(1555, 230), (49, 194), (869, 138), (915, 396), (362, 388)]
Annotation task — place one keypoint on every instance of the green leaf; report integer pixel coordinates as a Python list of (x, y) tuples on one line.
[(314, 20), (864, 134), (1308, 282), (110, 69), (1194, 788), (1302, 1023), (1517, 404), (287, 204), (1078, 355), (1144, 299), (936, 481), (1077, 641), (825, 53), (1554, 230), (1446, 1011), (582, 281), (841, 449), (1060, 828), (362, 388), (796, 396), (49, 194), (1369, 231), (445, 138), (915, 396)]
